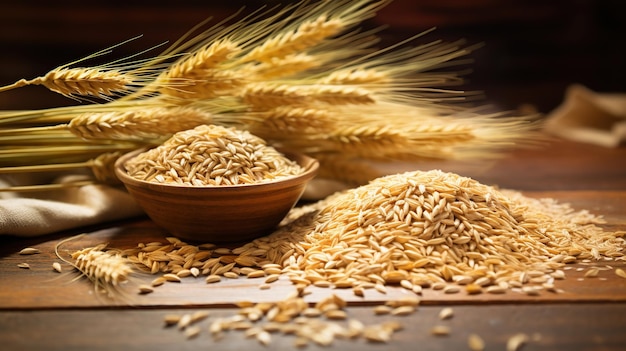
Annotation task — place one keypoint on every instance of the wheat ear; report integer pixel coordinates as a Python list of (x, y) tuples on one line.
[(307, 35), (198, 75), (283, 121), (85, 81), (283, 67), (152, 122), (268, 96)]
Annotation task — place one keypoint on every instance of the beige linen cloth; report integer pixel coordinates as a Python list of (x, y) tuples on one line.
[(590, 117), (45, 212), (584, 116)]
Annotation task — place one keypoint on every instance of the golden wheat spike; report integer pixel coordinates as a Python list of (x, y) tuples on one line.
[(156, 122), (287, 119), (207, 57), (85, 81), (358, 76), (283, 67), (268, 96), (307, 35)]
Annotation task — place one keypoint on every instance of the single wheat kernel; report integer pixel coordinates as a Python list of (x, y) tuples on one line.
[(184, 322), (515, 342), (170, 277), (451, 289), (495, 289), (24, 265), (199, 316), (231, 275), (403, 310), (256, 274), (158, 281), (171, 319), (592, 273), (194, 271), (475, 342), (213, 278), (183, 273), (377, 334), (29, 251), (446, 313), (440, 330), (57, 267), (311, 312), (473, 289), (265, 286), (322, 283), (336, 314), (145, 289), (382, 309), (192, 332), (264, 337), (620, 273), (272, 278)]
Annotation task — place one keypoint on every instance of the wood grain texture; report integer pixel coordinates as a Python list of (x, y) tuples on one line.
[(549, 327)]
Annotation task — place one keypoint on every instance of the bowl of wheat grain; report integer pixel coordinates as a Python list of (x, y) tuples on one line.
[(216, 184)]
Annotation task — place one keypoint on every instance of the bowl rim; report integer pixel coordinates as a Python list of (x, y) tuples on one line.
[(311, 167)]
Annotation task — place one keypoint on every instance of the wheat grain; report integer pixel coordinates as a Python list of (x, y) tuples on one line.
[(419, 218), (57, 267), (23, 265), (212, 155), (440, 330), (29, 251), (475, 342), (515, 342)]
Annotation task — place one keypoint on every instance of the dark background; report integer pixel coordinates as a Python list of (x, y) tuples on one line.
[(532, 50)]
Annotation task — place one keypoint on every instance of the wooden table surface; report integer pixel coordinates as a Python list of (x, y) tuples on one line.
[(44, 310)]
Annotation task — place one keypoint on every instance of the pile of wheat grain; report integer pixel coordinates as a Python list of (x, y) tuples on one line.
[(435, 229), (212, 155)]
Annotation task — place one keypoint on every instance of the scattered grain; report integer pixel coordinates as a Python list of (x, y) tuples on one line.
[(446, 313), (29, 251), (515, 342), (440, 330), (475, 342)]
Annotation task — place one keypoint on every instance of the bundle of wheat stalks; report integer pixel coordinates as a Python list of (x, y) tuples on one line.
[(302, 77)]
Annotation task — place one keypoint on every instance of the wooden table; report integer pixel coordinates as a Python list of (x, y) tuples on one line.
[(44, 310)]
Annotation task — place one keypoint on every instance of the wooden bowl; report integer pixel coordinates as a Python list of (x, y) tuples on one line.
[(218, 214)]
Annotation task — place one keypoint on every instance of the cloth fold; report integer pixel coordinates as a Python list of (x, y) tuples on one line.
[(46, 212), (589, 117)]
